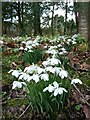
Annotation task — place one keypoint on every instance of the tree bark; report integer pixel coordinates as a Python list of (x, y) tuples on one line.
[(52, 22), (83, 20), (89, 26), (36, 18), (0, 18), (65, 26), (76, 16)]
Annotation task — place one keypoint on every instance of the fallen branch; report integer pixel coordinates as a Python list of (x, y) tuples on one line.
[(24, 112), (84, 100)]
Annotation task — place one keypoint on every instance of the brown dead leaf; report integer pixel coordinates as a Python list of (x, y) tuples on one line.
[(85, 66), (86, 110)]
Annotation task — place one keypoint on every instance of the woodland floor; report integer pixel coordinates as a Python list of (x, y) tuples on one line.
[(14, 103)]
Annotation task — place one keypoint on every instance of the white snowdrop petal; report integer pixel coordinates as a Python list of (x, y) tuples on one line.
[(50, 88), (56, 92), (74, 81), (56, 85), (15, 73), (45, 77), (36, 78), (16, 84)]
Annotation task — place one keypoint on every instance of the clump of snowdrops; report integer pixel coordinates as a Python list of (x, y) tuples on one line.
[(47, 86)]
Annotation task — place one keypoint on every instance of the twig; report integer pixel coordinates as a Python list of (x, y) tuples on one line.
[(85, 101), (24, 112)]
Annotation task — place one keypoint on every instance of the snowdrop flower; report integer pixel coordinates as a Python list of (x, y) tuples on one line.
[(61, 53), (28, 43), (40, 70), (21, 48), (35, 78), (18, 84), (54, 61), (15, 73), (45, 77), (23, 42), (30, 78), (45, 63), (55, 88), (1, 42), (30, 50), (73, 42), (23, 76), (52, 47), (63, 50), (63, 73), (50, 88), (52, 51), (26, 49), (49, 69), (69, 40), (74, 81), (59, 45), (45, 46), (56, 85), (60, 91), (29, 47), (31, 69), (57, 70)]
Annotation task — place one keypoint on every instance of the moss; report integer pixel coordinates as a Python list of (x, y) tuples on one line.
[(17, 102), (83, 47), (88, 61)]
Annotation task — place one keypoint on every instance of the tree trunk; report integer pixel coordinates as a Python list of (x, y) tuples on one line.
[(1, 19), (83, 20), (19, 16), (65, 25), (52, 22), (89, 26), (36, 18), (76, 17)]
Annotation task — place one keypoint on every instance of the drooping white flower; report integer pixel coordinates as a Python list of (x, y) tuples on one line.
[(55, 88), (29, 47), (1, 42), (21, 48), (60, 91), (50, 88), (49, 69), (26, 49), (30, 78), (63, 73), (17, 84), (15, 73), (51, 61), (24, 76), (55, 84), (74, 81), (30, 50), (59, 45), (73, 42), (40, 70), (54, 61), (45, 77), (31, 69), (52, 51), (23, 42), (57, 70), (45, 63), (36, 78)]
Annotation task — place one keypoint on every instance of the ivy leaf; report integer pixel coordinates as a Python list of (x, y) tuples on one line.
[(77, 107)]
